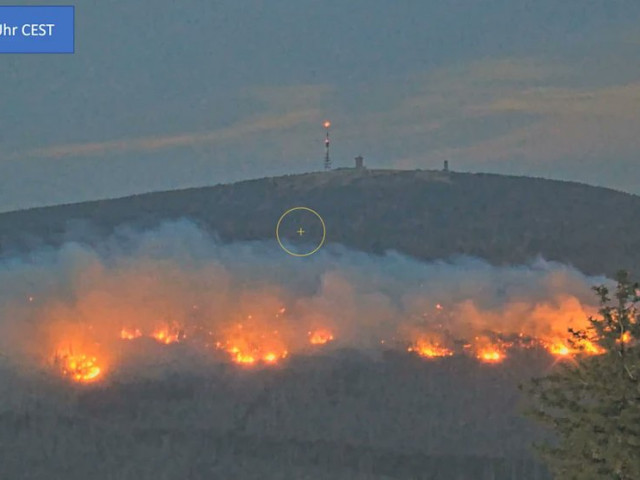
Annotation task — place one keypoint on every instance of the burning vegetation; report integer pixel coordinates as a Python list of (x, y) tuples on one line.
[(244, 352), (168, 335), (429, 349), (269, 338), (173, 289), (127, 334), (259, 341), (80, 368), (320, 337)]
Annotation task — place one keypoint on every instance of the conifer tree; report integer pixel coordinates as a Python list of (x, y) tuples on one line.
[(592, 404)]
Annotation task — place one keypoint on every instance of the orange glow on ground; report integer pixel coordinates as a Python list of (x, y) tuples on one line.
[(591, 348), (164, 335), (559, 349), (242, 358), (320, 337), (625, 338), (127, 334), (254, 356), (430, 350), (80, 368), (270, 357), (562, 349), (491, 355), (256, 340)]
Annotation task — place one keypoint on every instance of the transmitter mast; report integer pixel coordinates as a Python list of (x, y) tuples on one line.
[(327, 142)]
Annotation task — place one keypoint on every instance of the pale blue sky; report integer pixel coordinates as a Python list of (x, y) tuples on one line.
[(191, 93)]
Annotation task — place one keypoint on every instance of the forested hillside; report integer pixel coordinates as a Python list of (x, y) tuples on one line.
[(426, 214)]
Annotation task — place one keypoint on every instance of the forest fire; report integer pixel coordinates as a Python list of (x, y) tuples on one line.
[(590, 348), (241, 357), (166, 336), (254, 355), (257, 341), (248, 346), (428, 349), (127, 334), (559, 349), (163, 335), (491, 355), (254, 344), (262, 323), (562, 349), (495, 351), (78, 367), (320, 337)]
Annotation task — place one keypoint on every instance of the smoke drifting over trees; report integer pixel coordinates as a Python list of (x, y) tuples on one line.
[(231, 355), (177, 278)]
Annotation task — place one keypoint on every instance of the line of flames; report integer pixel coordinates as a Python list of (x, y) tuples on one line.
[(244, 349), (85, 368), (497, 351)]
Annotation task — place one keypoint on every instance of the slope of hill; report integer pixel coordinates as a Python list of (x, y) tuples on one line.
[(338, 416), (426, 214)]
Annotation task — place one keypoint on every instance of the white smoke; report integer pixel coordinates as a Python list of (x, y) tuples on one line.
[(178, 275)]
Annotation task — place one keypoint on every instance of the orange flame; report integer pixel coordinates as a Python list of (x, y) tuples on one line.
[(79, 368), (625, 338), (240, 357), (272, 357), (253, 356), (429, 349), (491, 355), (166, 335), (250, 350), (320, 337), (126, 334), (254, 340), (590, 348), (559, 349)]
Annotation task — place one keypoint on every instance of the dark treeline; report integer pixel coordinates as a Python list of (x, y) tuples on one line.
[(339, 416)]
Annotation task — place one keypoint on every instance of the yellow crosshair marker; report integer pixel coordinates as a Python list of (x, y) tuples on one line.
[(324, 232)]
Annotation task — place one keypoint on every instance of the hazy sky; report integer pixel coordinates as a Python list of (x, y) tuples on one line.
[(198, 92)]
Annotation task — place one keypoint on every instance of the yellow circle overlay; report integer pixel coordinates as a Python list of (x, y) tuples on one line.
[(324, 232)]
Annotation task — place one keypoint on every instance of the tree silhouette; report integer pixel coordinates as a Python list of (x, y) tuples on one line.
[(593, 403)]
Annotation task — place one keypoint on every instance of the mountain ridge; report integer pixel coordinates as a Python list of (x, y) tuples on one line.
[(426, 214)]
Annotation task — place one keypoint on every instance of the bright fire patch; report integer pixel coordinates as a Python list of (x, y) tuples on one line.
[(320, 337), (127, 334), (254, 355), (591, 348), (79, 368), (430, 350), (559, 349), (491, 355), (254, 342), (166, 336)]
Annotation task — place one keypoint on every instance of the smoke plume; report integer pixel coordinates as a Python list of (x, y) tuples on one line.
[(140, 301)]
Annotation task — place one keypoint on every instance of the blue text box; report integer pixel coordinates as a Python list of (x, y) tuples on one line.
[(37, 29)]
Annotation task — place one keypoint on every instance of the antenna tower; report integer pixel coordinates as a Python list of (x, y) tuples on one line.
[(327, 142)]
